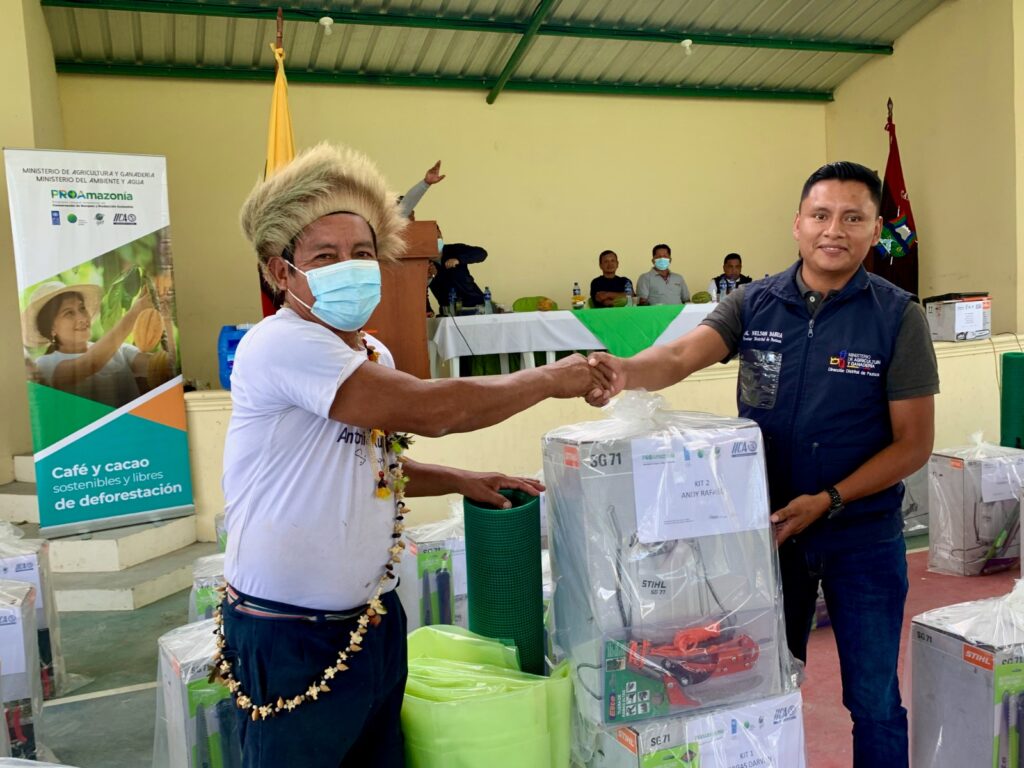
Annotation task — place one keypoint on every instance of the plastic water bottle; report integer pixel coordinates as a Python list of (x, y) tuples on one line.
[(451, 302), (629, 294), (488, 307), (577, 296)]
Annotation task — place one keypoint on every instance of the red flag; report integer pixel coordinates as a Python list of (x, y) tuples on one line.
[(895, 256)]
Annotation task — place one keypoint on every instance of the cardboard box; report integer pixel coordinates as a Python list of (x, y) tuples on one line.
[(766, 734), (19, 667), (967, 704), (974, 509), (28, 560), (959, 316), (663, 559), (432, 585), (197, 722)]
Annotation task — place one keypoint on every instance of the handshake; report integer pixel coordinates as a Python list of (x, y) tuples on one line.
[(597, 378)]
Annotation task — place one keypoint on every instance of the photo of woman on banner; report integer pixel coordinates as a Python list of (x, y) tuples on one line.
[(107, 370)]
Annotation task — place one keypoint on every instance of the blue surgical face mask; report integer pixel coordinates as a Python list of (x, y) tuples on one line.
[(344, 294), (662, 263)]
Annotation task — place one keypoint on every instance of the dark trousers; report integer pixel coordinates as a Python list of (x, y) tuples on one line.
[(354, 725), (865, 590)]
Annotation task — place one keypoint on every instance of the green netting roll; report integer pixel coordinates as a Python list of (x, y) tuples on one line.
[(505, 591), (1011, 405)]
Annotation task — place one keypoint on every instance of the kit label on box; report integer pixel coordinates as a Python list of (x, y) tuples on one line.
[(12, 645), (713, 484), (1002, 481)]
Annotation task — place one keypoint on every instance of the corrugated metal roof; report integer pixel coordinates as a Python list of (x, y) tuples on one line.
[(754, 48)]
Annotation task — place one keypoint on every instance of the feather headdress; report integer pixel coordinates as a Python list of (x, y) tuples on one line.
[(324, 179)]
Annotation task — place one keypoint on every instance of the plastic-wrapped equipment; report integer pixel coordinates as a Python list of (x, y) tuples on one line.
[(196, 720), (915, 503), (667, 597), (467, 705), (221, 530), (207, 577), (5, 737), (974, 505), (20, 683), (433, 573), (768, 733), (28, 560), (967, 704)]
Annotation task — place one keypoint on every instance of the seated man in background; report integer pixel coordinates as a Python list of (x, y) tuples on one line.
[(661, 285), (731, 277), (453, 273), (609, 289)]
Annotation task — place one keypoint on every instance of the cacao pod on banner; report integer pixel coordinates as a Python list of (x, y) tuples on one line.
[(148, 330), (159, 369)]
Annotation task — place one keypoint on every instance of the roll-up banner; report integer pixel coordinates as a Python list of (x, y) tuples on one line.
[(92, 251)]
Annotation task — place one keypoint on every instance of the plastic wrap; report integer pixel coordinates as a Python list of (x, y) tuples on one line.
[(20, 682), (432, 573), (915, 503), (974, 505), (221, 530), (196, 720), (967, 704), (14, 762), (207, 577), (5, 737), (667, 597), (769, 732), (28, 560), (468, 705)]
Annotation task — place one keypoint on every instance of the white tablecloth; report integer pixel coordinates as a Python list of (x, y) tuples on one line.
[(519, 332)]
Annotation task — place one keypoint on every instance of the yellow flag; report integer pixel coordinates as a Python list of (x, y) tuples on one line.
[(280, 143)]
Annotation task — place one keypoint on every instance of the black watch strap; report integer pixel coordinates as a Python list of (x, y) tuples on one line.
[(835, 505)]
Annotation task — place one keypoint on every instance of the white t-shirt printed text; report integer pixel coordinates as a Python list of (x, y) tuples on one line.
[(304, 526)]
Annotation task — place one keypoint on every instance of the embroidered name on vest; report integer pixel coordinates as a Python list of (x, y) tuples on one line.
[(764, 337)]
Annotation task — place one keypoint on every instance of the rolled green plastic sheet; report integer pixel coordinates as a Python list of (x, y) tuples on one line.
[(447, 641), (503, 568), (467, 713), (1011, 404)]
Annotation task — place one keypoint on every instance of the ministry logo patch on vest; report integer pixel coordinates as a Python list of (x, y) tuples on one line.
[(856, 363)]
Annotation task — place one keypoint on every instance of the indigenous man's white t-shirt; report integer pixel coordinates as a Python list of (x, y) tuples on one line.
[(304, 525)]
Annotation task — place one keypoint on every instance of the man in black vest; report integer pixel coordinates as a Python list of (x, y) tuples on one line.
[(838, 370)]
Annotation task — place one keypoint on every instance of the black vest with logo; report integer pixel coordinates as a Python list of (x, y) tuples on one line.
[(817, 388)]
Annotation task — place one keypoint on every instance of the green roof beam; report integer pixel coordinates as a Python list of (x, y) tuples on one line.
[(556, 29), (414, 81), (539, 14)]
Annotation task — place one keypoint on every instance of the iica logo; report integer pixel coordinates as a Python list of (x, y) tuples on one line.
[(124, 218)]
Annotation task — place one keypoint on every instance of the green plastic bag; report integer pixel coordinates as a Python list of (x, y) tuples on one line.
[(467, 705)]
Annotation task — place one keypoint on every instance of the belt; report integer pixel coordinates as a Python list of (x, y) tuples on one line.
[(268, 609)]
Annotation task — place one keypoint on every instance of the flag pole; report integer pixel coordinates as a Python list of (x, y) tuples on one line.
[(280, 36)]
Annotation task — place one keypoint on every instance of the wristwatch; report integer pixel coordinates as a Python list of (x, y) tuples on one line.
[(835, 502)]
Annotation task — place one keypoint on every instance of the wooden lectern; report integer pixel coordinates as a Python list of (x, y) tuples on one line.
[(400, 320)]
